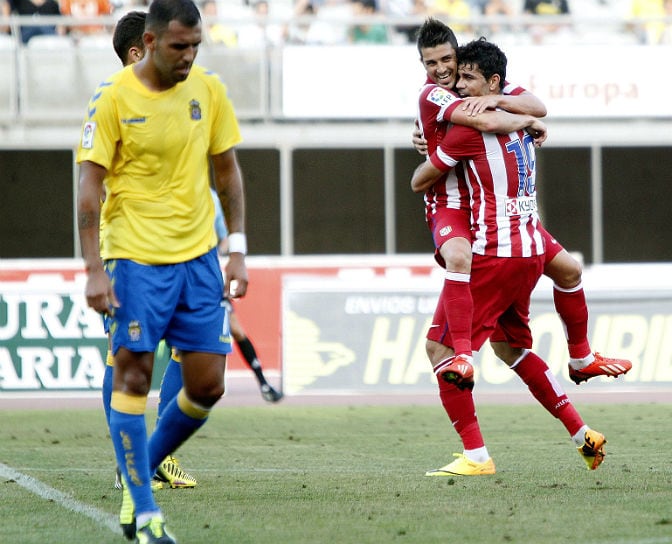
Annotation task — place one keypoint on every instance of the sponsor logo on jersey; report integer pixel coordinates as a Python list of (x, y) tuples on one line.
[(523, 205), (195, 109), (87, 134), (440, 96), (134, 120)]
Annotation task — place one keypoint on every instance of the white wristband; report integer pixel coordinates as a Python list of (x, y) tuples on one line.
[(238, 243)]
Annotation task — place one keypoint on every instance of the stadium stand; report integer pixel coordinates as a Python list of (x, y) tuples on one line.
[(9, 79), (48, 71), (246, 71)]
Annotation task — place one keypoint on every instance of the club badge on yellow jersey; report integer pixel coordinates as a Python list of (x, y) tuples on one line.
[(195, 109)]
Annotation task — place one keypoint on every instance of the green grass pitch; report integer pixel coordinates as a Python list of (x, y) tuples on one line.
[(350, 474)]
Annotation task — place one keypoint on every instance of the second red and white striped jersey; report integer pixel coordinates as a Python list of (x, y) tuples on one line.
[(435, 108), (501, 177)]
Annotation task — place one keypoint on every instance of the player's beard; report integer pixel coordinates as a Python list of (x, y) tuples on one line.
[(182, 73)]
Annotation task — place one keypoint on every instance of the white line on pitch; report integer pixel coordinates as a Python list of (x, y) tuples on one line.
[(49, 493)]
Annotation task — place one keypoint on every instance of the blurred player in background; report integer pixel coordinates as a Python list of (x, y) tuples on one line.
[(243, 342), (127, 38), (157, 273), (498, 173), (448, 213)]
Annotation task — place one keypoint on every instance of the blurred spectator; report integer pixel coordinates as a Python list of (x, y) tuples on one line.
[(499, 7), (86, 9), (494, 8), (602, 21), (297, 33), (260, 32), (648, 32), (406, 8), (216, 32), (477, 6), (122, 7), (367, 33), (34, 8), (545, 8), (450, 10), (666, 38), (330, 23)]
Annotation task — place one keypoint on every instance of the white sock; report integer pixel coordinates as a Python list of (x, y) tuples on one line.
[(578, 364), (144, 518), (479, 455), (579, 438)]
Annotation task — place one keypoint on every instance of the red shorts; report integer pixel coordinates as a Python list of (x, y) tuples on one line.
[(501, 288), (445, 224), (552, 246)]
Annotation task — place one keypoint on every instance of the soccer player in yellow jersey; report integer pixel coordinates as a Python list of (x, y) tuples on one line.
[(150, 132), (129, 47)]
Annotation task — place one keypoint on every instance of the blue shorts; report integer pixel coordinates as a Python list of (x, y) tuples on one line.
[(183, 303)]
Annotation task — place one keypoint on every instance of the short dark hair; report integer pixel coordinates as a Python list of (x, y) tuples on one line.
[(162, 12), (128, 33), (489, 58), (434, 33)]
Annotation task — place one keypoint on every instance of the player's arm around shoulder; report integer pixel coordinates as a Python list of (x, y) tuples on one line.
[(524, 103), (427, 173), (492, 122)]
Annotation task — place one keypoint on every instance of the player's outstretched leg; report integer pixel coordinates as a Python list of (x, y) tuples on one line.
[(596, 364), (268, 392)]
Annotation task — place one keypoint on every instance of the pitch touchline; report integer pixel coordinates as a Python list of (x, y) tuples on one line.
[(49, 493)]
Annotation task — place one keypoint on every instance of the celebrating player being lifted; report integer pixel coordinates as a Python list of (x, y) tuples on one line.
[(497, 173), (447, 211)]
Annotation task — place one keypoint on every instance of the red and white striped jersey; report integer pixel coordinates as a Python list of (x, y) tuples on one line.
[(435, 107), (500, 173)]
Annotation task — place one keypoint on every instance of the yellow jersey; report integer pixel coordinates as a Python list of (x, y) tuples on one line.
[(156, 147)]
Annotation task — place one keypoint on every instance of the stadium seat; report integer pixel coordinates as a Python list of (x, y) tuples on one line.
[(9, 79), (48, 68), (246, 74), (96, 61)]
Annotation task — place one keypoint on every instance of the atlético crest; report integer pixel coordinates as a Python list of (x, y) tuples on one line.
[(195, 110)]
